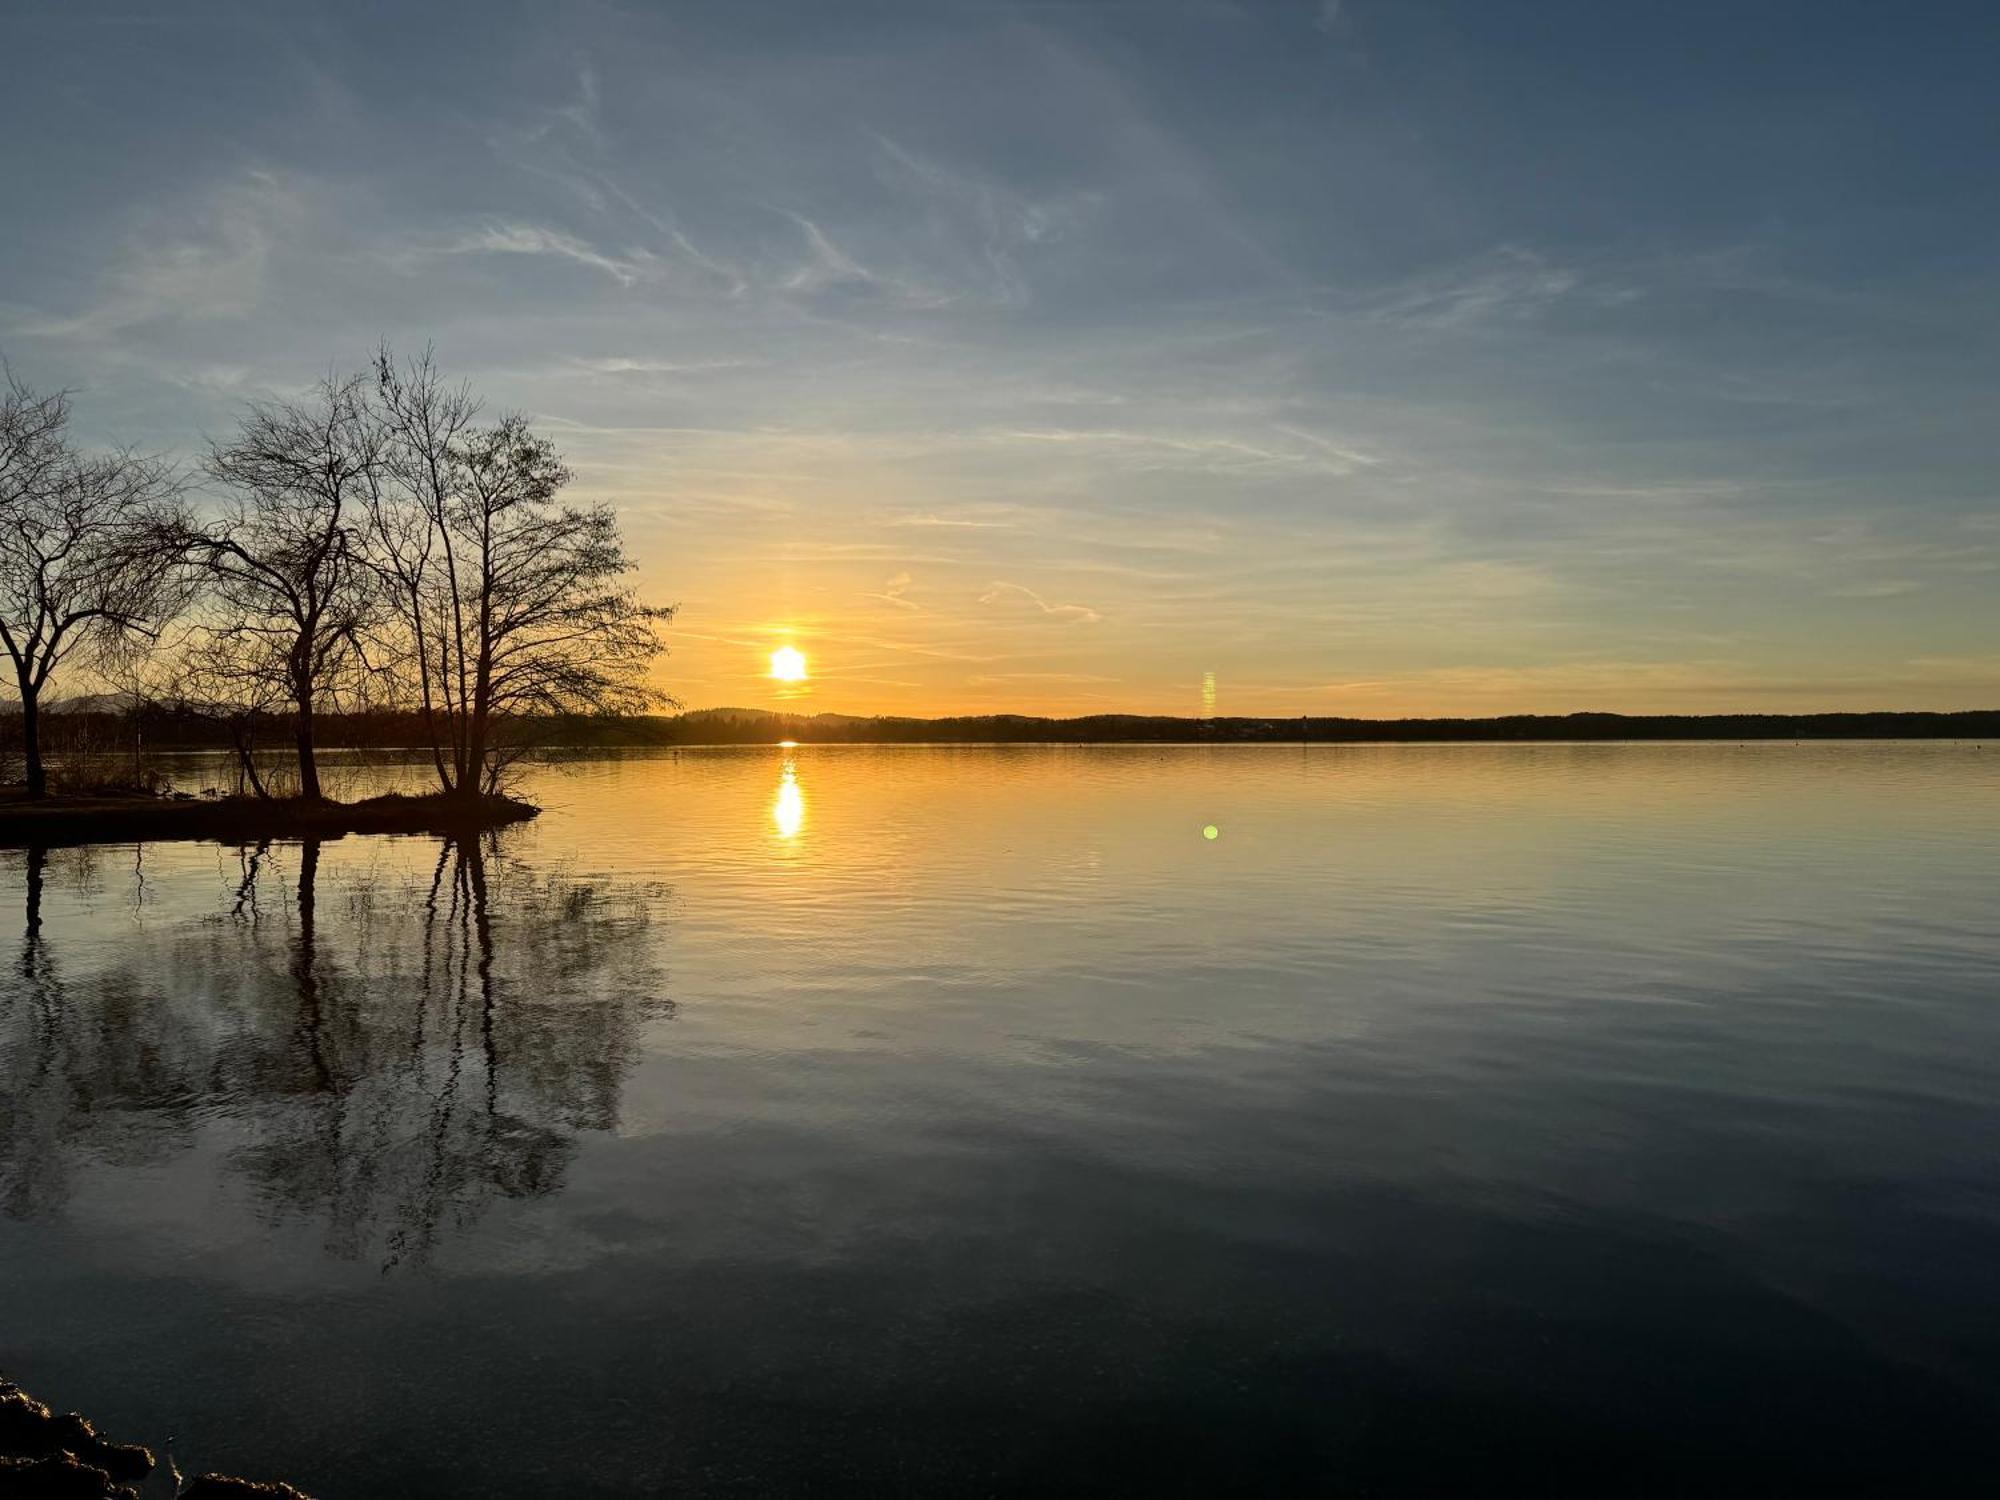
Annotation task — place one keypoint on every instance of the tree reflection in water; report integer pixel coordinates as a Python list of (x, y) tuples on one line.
[(385, 1058)]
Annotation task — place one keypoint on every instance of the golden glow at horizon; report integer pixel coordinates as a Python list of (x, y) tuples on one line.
[(788, 812), (788, 664)]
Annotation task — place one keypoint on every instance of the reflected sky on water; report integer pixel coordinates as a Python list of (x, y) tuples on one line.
[(788, 812), (899, 1118)]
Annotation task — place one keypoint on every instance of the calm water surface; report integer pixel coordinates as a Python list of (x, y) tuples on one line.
[(1607, 1118)]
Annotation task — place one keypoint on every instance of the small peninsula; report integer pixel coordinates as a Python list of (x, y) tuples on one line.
[(124, 817)]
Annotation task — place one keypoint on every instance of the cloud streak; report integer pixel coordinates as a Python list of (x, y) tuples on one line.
[(1000, 592)]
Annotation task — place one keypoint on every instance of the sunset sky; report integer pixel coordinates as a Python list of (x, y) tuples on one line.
[(1369, 357)]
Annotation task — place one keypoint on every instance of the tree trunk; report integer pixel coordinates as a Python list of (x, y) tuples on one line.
[(473, 784), (246, 762), (308, 767), (480, 720), (31, 739)]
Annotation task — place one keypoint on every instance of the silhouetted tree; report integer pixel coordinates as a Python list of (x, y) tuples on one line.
[(414, 546), (288, 591), (513, 604), (80, 565)]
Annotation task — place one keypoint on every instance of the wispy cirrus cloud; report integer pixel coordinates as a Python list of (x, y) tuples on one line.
[(505, 237), (192, 262), (625, 364), (1062, 678), (895, 591), (1508, 283), (956, 523), (1001, 592)]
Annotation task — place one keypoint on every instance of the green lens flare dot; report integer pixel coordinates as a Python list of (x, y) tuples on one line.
[(1211, 832)]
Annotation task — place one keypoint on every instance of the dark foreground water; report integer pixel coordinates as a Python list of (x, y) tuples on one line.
[(1605, 1119)]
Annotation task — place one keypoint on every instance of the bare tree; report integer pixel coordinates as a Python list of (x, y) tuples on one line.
[(414, 548), (289, 594), (513, 604), (81, 570)]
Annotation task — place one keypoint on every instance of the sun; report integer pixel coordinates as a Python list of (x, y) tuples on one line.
[(788, 664)]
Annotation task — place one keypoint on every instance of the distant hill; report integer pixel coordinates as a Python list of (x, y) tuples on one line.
[(87, 703)]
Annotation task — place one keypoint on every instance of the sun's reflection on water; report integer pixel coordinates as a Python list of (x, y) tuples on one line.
[(788, 812)]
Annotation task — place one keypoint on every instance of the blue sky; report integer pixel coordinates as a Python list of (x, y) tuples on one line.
[(1374, 357)]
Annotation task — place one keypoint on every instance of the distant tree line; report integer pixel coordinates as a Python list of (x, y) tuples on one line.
[(107, 731), (370, 551), (757, 726)]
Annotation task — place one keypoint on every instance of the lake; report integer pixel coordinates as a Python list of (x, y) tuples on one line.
[(1607, 1118)]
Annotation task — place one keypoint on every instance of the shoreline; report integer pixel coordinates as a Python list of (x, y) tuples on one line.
[(64, 1456), (61, 821)]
